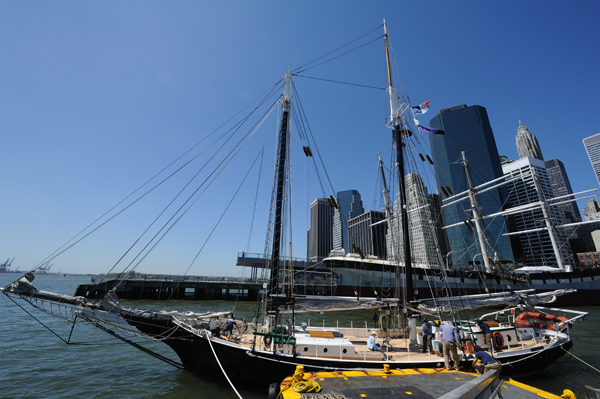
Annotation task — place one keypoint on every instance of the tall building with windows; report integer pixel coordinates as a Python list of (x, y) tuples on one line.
[(468, 129), (537, 249), (562, 188), (421, 224), (580, 237), (350, 206), (368, 232), (592, 147), (527, 144), (320, 235)]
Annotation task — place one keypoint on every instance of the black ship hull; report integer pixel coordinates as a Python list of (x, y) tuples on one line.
[(258, 369)]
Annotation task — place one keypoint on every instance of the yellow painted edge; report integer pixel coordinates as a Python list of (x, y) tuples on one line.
[(529, 388)]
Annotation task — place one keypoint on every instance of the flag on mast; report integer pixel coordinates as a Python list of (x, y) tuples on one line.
[(421, 109), (428, 130)]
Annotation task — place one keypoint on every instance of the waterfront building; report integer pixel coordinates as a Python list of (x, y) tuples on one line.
[(423, 241), (368, 232), (589, 259), (536, 245), (527, 144), (592, 147), (350, 206), (320, 236), (468, 129)]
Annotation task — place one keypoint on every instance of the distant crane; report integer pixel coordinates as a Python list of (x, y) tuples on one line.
[(5, 267), (45, 269)]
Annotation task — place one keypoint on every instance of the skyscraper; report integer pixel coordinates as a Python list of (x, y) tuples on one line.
[(365, 232), (527, 144), (468, 129), (536, 244), (320, 237), (580, 237), (562, 187), (422, 232), (592, 146), (350, 207)]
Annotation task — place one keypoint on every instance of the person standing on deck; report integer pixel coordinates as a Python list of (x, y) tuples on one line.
[(451, 341), (427, 332), (487, 333)]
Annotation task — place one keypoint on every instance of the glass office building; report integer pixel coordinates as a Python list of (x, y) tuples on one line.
[(320, 235), (592, 146), (468, 129), (350, 207)]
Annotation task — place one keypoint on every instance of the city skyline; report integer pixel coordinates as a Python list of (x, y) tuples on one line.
[(97, 98)]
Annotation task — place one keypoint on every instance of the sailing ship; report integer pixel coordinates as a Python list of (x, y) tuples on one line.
[(269, 348)]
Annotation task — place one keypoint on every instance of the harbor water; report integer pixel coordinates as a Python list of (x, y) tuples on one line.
[(36, 363)]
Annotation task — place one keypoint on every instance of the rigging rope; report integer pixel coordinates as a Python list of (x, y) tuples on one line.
[(339, 48), (340, 82), (138, 346)]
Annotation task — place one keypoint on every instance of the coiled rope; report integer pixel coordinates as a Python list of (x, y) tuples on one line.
[(306, 386)]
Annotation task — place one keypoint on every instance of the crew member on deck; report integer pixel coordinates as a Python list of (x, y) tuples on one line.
[(451, 341), (227, 327), (427, 330), (372, 345), (487, 333), (487, 361)]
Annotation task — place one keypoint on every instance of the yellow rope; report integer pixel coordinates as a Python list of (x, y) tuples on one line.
[(306, 386)]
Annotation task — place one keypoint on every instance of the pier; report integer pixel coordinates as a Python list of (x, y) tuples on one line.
[(309, 279)]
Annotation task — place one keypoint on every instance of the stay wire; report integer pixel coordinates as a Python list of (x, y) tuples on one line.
[(296, 71), (340, 82), (56, 253), (223, 213), (237, 127), (337, 49), (301, 109), (206, 183)]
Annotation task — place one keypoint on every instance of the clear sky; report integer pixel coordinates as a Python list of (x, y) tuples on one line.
[(97, 97)]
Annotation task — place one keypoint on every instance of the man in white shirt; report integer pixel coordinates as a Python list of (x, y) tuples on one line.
[(372, 345)]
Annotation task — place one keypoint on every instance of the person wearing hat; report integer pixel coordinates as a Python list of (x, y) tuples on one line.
[(372, 345), (427, 332)]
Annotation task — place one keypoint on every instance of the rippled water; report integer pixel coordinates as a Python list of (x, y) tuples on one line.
[(37, 364)]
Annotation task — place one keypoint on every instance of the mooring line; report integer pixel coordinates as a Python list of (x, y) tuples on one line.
[(219, 363), (587, 364)]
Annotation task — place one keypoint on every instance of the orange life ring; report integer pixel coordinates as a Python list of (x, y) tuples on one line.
[(523, 320), (497, 340), (469, 348)]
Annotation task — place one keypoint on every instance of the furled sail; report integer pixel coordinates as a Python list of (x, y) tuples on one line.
[(509, 298)]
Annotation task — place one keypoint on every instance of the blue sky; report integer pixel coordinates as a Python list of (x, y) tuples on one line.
[(97, 97)]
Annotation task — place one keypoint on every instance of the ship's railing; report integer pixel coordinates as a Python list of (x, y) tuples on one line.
[(591, 393)]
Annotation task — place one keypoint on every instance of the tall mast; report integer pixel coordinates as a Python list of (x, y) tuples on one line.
[(286, 105), (388, 208), (549, 225), (476, 216), (396, 121)]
